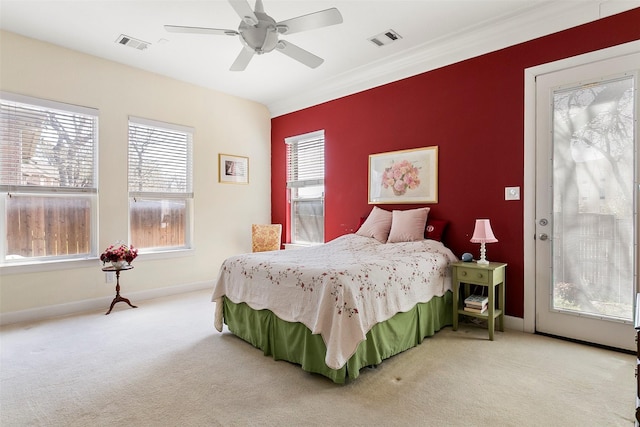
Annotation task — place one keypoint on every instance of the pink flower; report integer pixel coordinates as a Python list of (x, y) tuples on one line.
[(121, 253), (401, 176)]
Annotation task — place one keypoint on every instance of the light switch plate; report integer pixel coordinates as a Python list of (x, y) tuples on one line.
[(512, 193)]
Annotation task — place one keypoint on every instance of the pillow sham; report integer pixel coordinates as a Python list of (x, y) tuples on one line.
[(408, 226), (377, 225), (435, 229)]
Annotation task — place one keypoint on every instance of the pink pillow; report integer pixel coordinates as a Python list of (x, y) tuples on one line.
[(435, 229), (408, 226), (377, 225)]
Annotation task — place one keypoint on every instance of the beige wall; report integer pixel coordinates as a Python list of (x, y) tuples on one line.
[(223, 212)]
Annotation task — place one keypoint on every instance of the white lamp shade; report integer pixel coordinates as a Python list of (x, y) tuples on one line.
[(483, 232)]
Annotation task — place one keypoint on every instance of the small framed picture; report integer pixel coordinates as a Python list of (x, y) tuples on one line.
[(233, 169), (407, 176)]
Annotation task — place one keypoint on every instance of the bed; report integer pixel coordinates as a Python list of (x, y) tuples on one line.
[(338, 307)]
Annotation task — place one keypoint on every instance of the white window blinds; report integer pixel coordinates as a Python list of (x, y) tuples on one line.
[(305, 160), (46, 145), (160, 159)]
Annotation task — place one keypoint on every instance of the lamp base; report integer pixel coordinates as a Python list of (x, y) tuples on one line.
[(483, 252)]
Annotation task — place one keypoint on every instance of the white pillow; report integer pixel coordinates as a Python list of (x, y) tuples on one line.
[(408, 226), (377, 225)]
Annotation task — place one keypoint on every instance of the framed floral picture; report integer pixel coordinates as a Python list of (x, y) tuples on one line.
[(233, 169), (406, 176)]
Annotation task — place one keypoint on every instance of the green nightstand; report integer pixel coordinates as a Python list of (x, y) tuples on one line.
[(491, 275)]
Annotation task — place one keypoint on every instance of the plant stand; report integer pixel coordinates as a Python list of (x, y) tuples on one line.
[(118, 298)]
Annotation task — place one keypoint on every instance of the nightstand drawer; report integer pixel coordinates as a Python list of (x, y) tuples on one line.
[(474, 275)]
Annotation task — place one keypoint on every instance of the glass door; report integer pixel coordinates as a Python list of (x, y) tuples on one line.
[(586, 202)]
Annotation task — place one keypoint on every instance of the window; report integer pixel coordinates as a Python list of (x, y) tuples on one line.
[(305, 184), (160, 185), (48, 180)]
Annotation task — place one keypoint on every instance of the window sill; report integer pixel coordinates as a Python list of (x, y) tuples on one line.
[(174, 253), (38, 267), (300, 245)]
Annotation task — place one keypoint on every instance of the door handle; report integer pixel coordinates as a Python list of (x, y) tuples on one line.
[(543, 236)]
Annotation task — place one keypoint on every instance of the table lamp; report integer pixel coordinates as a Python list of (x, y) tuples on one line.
[(483, 234)]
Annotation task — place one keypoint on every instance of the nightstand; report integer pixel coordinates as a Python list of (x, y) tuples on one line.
[(491, 275)]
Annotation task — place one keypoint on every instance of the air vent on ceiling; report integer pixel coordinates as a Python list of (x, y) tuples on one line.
[(385, 38), (131, 42)]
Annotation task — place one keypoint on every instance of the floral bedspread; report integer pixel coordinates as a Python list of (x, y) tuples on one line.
[(339, 290)]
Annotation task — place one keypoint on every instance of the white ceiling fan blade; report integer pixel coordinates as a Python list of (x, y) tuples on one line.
[(299, 54), (311, 21), (199, 30), (243, 9), (241, 62), (259, 6)]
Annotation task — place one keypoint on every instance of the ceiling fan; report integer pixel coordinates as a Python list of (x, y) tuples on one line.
[(259, 33)]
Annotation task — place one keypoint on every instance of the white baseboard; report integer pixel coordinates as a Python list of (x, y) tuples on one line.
[(514, 323), (49, 311)]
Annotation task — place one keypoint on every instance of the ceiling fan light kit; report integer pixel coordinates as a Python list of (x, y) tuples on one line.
[(259, 33)]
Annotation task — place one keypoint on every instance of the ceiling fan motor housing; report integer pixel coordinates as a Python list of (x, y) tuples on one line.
[(263, 37)]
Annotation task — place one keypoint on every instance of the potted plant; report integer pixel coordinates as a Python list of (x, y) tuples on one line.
[(119, 255)]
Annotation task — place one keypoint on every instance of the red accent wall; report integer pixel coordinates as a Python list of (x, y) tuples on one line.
[(473, 111)]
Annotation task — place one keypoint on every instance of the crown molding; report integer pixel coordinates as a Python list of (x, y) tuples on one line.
[(505, 31)]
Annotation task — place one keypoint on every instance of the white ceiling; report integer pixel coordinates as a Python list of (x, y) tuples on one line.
[(434, 33)]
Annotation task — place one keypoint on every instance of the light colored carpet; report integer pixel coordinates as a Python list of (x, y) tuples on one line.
[(163, 364)]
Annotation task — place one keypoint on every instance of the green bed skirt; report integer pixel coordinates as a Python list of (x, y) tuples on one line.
[(295, 343)]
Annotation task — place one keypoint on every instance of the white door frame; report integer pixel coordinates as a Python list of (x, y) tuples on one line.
[(529, 193)]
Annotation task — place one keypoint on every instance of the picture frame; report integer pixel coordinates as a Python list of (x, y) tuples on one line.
[(233, 169), (405, 176)]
